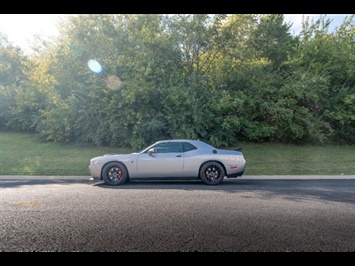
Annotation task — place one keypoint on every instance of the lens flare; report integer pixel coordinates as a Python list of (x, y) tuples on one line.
[(113, 82), (95, 66)]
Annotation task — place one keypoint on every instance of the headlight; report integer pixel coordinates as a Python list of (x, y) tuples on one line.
[(94, 162)]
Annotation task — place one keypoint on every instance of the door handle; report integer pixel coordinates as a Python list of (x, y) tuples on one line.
[(178, 155)]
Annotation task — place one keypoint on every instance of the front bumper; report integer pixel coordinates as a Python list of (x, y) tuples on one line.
[(95, 171)]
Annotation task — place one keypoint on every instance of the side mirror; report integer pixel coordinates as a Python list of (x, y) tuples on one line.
[(150, 152)]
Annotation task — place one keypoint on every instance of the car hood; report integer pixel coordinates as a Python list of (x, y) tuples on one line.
[(116, 156)]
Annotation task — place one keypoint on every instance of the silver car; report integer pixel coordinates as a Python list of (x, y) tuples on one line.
[(170, 160)]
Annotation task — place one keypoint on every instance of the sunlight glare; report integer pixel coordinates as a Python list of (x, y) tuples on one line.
[(95, 66)]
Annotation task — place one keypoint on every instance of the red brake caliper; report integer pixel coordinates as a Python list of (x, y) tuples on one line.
[(207, 175), (119, 173)]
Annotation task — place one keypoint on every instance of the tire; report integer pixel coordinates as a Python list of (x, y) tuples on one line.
[(212, 173), (114, 174)]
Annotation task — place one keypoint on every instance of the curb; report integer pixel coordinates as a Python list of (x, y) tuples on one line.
[(260, 177), (298, 177), (37, 177)]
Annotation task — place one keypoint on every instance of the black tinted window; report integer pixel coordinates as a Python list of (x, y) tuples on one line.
[(167, 147)]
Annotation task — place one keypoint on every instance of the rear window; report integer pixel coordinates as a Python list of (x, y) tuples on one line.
[(186, 146)]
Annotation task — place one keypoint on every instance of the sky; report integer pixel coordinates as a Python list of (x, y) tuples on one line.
[(21, 28)]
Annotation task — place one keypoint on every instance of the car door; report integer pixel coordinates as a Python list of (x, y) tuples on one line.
[(167, 160)]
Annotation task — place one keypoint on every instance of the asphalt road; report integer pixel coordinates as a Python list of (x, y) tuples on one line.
[(240, 215)]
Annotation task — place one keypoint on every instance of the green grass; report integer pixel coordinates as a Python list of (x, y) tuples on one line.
[(23, 154), (282, 159)]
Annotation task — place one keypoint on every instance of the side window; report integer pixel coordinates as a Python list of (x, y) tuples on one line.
[(161, 148), (175, 147), (188, 146), (167, 147)]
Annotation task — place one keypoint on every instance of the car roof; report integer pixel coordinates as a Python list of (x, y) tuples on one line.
[(197, 143)]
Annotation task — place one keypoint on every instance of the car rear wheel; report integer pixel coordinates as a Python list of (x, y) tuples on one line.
[(212, 173), (114, 174)]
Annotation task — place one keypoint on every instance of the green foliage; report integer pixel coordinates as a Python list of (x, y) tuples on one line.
[(272, 39), (12, 85), (218, 78)]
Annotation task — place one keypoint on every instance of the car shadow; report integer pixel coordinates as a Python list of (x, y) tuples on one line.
[(295, 190)]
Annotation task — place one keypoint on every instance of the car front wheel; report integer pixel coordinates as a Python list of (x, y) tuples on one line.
[(212, 173), (114, 174)]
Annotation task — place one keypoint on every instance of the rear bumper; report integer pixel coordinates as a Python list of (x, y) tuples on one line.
[(235, 175)]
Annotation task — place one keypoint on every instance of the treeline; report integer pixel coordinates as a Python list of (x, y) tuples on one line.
[(218, 78)]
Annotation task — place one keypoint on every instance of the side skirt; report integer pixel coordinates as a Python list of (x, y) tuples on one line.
[(163, 178)]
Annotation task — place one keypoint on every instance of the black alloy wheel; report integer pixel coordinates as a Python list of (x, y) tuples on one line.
[(212, 173), (114, 174)]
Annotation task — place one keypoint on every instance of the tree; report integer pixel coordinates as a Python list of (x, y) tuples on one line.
[(12, 78)]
